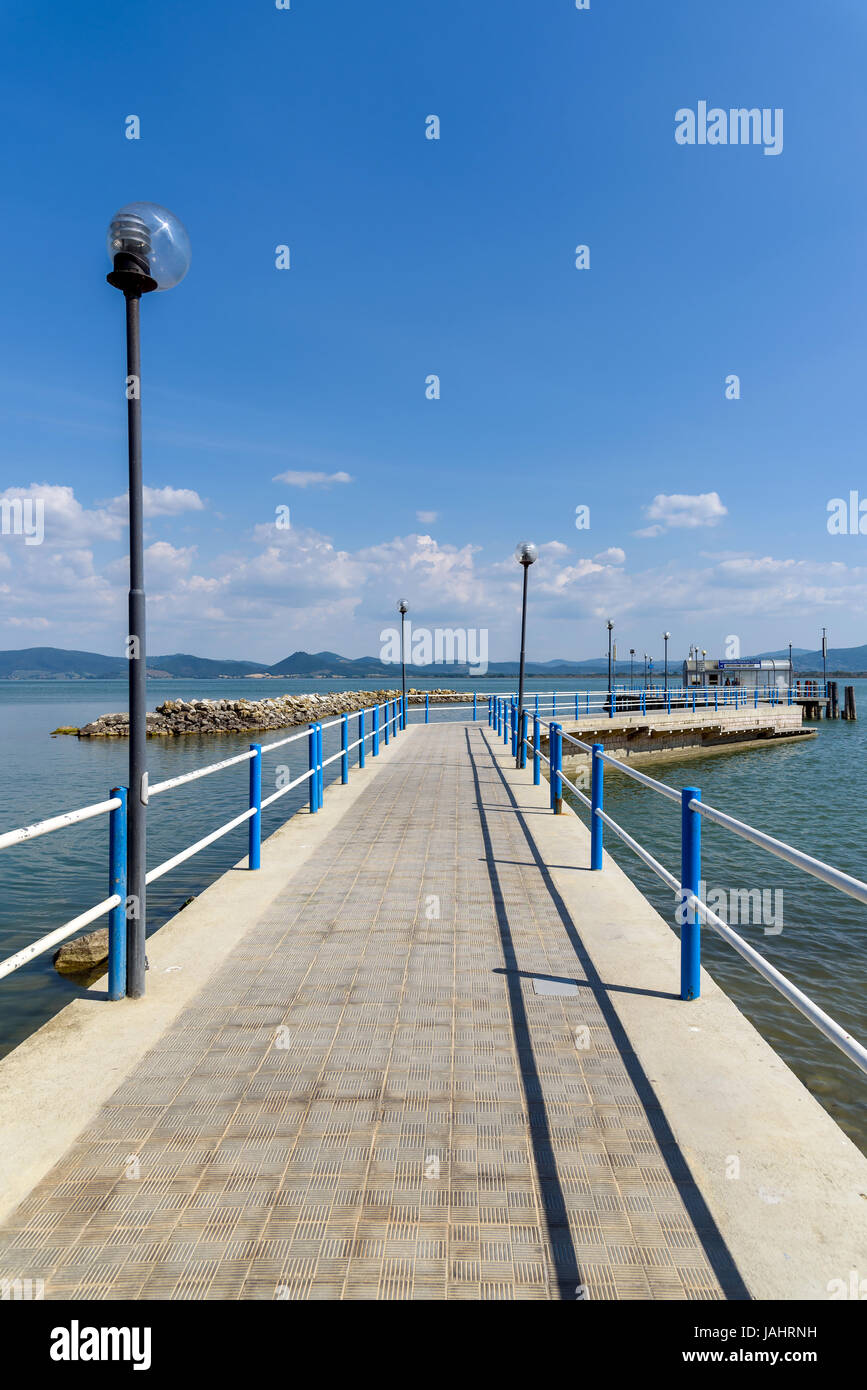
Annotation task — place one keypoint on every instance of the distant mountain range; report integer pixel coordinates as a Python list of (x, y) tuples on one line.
[(54, 663)]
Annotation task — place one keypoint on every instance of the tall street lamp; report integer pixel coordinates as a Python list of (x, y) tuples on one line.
[(526, 554), (645, 670), (824, 663), (631, 664), (610, 692), (402, 607), (149, 250), (666, 636), (790, 665)]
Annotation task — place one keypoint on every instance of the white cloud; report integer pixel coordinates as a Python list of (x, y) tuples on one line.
[(612, 556), (309, 478), (159, 501), (683, 509), (67, 522), (427, 518), (282, 588)]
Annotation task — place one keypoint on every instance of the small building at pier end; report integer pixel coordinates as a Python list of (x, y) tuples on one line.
[(747, 675)]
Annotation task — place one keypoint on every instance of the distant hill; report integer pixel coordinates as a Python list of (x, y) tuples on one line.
[(192, 667), (841, 660), (56, 663), (53, 663)]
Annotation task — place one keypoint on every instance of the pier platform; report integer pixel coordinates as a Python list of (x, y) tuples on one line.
[(424, 1053), (682, 733)]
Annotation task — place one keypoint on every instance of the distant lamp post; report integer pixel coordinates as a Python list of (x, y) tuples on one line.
[(666, 636), (631, 664), (403, 608), (703, 671), (645, 670), (610, 626), (824, 662), (790, 665), (149, 250), (526, 554)]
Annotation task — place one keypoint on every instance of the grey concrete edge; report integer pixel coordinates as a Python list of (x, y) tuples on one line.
[(795, 1216), (55, 1082)]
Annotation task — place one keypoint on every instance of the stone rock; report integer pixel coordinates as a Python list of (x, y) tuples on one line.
[(78, 956), (174, 718)]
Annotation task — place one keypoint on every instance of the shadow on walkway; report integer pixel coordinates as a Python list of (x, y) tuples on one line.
[(559, 1234)]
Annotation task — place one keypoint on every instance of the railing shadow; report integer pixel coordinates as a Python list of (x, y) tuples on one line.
[(560, 1236)]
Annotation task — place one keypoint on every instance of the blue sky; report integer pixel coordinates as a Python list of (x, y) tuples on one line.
[(410, 257)]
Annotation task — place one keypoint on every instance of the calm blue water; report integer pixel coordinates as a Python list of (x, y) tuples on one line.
[(810, 795)]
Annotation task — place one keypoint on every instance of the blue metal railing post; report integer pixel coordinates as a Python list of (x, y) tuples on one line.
[(507, 709), (597, 802), (537, 761), (690, 878), (515, 732), (490, 711), (344, 749), (474, 706), (427, 709), (117, 884), (555, 751), (361, 738), (522, 739), (537, 705), (576, 704), (376, 731), (320, 770), (311, 758), (254, 846), (385, 723)]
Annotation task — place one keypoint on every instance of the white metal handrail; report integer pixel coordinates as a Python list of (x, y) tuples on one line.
[(201, 772), (45, 827), (188, 853), (38, 948), (832, 1030), (836, 878)]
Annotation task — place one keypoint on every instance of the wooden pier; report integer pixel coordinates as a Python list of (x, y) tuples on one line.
[(424, 1055)]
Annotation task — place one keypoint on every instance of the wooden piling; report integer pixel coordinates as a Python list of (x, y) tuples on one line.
[(849, 702)]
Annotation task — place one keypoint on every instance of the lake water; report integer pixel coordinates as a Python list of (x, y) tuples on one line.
[(809, 795)]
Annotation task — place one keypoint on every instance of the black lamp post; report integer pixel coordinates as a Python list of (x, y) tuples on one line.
[(610, 691), (790, 666), (824, 663), (150, 250), (666, 636), (631, 664), (402, 607), (526, 554), (645, 670)]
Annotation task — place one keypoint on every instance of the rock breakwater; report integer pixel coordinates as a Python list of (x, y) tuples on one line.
[(175, 718)]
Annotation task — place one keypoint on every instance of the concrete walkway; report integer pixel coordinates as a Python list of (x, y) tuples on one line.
[(377, 1095)]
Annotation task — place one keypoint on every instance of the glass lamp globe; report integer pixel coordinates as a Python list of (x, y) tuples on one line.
[(151, 240), (402, 605), (526, 553)]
